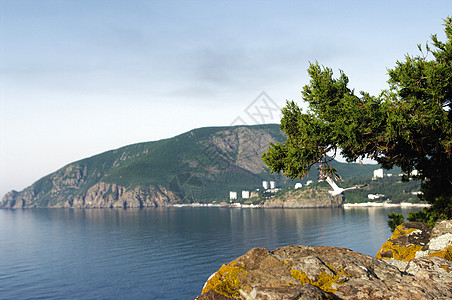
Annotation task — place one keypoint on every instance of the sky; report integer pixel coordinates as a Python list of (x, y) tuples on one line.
[(80, 77)]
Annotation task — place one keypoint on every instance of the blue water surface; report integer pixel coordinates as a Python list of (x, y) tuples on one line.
[(159, 253)]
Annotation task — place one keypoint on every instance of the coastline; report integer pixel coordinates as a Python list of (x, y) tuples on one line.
[(346, 205), (231, 205), (376, 204)]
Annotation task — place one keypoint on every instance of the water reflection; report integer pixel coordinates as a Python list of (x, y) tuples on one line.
[(144, 253)]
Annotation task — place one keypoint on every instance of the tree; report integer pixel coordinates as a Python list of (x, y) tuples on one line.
[(394, 220), (408, 125)]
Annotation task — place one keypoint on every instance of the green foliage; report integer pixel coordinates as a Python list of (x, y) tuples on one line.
[(409, 125), (427, 216), (394, 220), (392, 188)]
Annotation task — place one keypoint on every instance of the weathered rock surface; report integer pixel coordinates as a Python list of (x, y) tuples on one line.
[(407, 239), (308, 272), (306, 198), (246, 145), (100, 195), (416, 240), (318, 272)]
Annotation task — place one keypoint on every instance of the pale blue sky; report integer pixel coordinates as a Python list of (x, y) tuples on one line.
[(79, 77)]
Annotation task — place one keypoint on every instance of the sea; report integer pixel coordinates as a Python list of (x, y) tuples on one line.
[(160, 253)]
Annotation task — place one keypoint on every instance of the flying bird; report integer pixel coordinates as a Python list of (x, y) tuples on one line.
[(337, 190)]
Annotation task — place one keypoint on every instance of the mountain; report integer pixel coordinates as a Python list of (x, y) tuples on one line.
[(201, 165)]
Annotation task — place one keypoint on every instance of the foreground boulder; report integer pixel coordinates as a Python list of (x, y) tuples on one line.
[(412, 241), (319, 272)]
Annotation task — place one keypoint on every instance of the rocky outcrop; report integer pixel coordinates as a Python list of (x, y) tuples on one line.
[(103, 195), (100, 195), (15, 199), (318, 272), (305, 198), (407, 239), (414, 244)]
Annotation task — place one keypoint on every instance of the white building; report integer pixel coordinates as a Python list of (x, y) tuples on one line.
[(232, 195), (374, 197), (265, 185), (245, 194), (298, 185), (272, 184), (378, 174), (309, 182)]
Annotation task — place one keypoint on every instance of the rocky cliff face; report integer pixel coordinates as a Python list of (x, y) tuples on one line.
[(306, 198), (103, 195), (318, 272), (244, 146), (100, 195)]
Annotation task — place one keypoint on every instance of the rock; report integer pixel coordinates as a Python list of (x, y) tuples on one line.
[(100, 195), (434, 268), (441, 236), (440, 243), (407, 239), (417, 240), (305, 198), (319, 272)]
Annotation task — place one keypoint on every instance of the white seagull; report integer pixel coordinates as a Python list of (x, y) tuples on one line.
[(337, 190)]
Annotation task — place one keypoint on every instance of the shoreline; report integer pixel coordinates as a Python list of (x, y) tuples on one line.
[(376, 204), (232, 205), (261, 206), (346, 205)]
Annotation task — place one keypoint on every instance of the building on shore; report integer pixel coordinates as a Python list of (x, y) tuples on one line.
[(245, 194), (265, 185), (379, 173), (232, 195), (375, 197)]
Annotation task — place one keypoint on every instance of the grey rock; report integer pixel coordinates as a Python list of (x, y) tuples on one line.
[(317, 272)]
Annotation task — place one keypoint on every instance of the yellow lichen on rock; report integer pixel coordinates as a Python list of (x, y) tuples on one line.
[(393, 250), (400, 252), (446, 253), (300, 276), (324, 282), (446, 268), (226, 281), (402, 231)]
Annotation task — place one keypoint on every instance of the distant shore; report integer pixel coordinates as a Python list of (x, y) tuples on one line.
[(346, 205), (223, 204), (375, 204)]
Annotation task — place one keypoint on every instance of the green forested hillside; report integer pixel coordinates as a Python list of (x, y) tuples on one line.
[(201, 165)]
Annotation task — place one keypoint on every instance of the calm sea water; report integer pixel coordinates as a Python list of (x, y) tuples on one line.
[(161, 253)]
